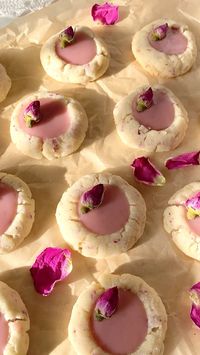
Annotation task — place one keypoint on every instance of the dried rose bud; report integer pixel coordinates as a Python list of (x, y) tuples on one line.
[(51, 266), (92, 198), (183, 160), (193, 206), (106, 13), (144, 100), (146, 172), (159, 32), (66, 37), (107, 304), (32, 113), (195, 310)]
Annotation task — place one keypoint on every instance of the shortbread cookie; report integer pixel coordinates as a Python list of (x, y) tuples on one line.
[(57, 129), (137, 326), (185, 231), (84, 59), (5, 83), (14, 322), (160, 127), (171, 54), (111, 228), (17, 211)]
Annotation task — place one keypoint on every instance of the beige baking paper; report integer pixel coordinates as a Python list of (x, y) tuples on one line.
[(154, 258)]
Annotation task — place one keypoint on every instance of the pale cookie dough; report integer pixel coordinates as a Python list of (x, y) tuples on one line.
[(92, 244), (175, 221), (22, 223), (59, 70), (79, 326), (5, 83), (15, 313), (137, 136), (158, 63), (50, 148)]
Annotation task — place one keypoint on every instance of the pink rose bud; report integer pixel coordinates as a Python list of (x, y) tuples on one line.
[(32, 113), (51, 266), (193, 206), (92, 198), (146, 172), (107, 304), (159, 32), (144, 100), (183, 160), (66, 37), (195, 310), (107, 13)]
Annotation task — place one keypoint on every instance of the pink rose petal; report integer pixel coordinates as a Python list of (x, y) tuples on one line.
[(146, 172), (107, 14), (195, 310), (51, 266), (183, 160)]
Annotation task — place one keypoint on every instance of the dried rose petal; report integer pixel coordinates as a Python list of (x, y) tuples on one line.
[(175, 27), (144, 100), (92, 198), (107, 304), (193, 206), (51, 266), (146, 172), (32, 113), (66, 37), (159, 32), (183, 160), (107, 13), (195, 310)]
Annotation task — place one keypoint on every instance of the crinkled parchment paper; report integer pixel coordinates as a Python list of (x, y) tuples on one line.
[(154, 258)]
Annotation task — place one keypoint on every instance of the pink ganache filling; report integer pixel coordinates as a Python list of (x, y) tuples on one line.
[(54, 121), (127, 328), (194, 223), (8, 206), (174, 42), (81, 51), (159, 116), (111, 215), (4, 333)]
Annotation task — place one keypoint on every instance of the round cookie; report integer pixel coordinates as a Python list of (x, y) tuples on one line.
[(113, 227), (84, 60), (14, 322), (5, 83), (159, 128), (88, 338), (185, 232), (169, 57), (18, 210), (47, 138)]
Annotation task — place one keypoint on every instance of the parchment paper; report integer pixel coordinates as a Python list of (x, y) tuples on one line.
[(154, 258)]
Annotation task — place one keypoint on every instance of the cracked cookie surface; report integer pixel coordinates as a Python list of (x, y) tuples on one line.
[(93, 244), (159, 63), (79, 328), (65, 72), (16, 316), (176, 224), (136, 135), (50, 147)]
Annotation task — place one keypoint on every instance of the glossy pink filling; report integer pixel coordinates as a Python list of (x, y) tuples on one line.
[(4, 332), (54, 122), (79, 52), (126, 330), (194, 224), (174, 42), (111, 215), (159, 116), (8, 206)]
